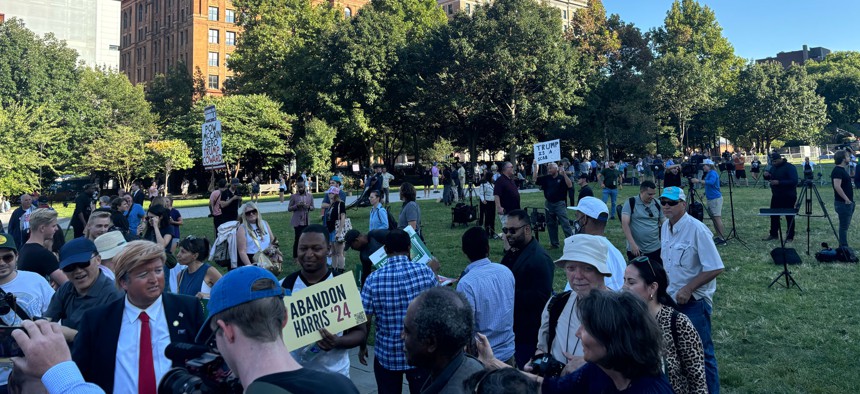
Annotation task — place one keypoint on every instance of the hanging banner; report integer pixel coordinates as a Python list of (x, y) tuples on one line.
[(547, 152), (334, 304)]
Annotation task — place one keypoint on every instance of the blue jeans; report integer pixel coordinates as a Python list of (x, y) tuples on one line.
[(610, 193), (699, 312), (844, 212), (391, 382), (556, 213)]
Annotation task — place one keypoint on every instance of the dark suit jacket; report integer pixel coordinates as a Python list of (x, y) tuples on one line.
[(94, 350), (138, 197), (533, 270)]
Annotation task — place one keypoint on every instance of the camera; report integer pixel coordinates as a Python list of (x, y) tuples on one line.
[(205, 371), (538, 219), (546, 365), (690, 170)]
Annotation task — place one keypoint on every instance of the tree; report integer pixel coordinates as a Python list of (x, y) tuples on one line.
[(119, 151), (313, 151), (518, 71), (776, 104), (255, 132), (681, 88), (167, 155), (592, 35), (25, 132), (173, 94), (838, 81)]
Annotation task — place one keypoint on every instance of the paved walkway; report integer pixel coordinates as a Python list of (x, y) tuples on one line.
[(362, 375)]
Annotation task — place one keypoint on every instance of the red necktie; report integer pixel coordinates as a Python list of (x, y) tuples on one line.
[(146, 369)]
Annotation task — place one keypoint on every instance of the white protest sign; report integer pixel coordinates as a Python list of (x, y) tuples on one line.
[(213, 157), (420, 253), (547, 152)]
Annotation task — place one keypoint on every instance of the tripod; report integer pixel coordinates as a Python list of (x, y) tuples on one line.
[(733, 233), (806, 198), (782, 253)]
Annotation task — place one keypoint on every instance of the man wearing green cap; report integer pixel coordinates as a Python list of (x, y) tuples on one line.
[(246, 318)]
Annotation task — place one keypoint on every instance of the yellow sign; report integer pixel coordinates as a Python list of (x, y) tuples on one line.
[(334, 304)]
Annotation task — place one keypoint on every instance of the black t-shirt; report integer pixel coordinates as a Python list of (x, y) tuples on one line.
[(554, 189), (35, 258), (306, 381), (334, 214), (231, 211), (585, 191), (83, 204), (672, 179), (841, 173)]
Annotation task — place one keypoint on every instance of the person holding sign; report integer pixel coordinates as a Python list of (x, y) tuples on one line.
[(386, 296), (246, 317), (555, 186), (331, 353)]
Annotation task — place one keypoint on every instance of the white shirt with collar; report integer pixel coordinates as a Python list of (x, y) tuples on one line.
[(128, 348)]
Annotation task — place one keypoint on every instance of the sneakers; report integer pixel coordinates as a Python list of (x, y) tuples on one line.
[(720, 242), (789, 240), (769, 238)]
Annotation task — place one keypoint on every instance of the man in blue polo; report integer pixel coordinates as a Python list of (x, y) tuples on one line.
[(88, 286), (715, 199)]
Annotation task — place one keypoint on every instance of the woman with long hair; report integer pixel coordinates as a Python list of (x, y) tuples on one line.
[(410, 214), (684, 359), (118, 209), (335, 222), (253, 234), (157, 227), (197, 278)]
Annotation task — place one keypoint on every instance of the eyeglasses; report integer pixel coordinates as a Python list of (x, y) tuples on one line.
[(8, 258), (512, 230), (75, 266), (669, 203), (645, 259), (211, 340), (251, 212)]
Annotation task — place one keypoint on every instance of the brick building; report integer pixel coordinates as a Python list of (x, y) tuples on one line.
[(159, 34), (798, 57)]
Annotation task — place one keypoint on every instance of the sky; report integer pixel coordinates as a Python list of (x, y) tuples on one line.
[(762, 28)]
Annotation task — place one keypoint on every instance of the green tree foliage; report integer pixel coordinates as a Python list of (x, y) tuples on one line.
[(278, 51), (439, 151), (25, 133), (681, 88), (838, 81), (772, 103), (593, 36), (313, 152), (519, 73), (167, 155), (173, 94), (255, 133), (118, 150)]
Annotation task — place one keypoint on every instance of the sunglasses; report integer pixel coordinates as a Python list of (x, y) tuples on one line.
[(645, 259), (648, 210), (512, 230), (251, 212), (8, 258), (669, 203), (73, 267)]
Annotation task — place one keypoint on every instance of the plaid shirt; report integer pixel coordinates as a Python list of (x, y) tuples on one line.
[(386, 294)]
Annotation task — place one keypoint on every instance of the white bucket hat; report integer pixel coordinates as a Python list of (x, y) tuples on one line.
[(587, 249)]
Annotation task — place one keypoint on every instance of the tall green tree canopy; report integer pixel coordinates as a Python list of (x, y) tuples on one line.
[(172, 95), (27, 133), (313, 152), (838, 81)]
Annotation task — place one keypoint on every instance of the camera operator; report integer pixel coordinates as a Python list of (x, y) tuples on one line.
[(783, 186), (715, 200), (843, 193), (47, 357), (584, 264), (673, 176), (246, 317)]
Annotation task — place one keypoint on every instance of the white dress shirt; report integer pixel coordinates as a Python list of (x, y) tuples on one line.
[(128, 346)]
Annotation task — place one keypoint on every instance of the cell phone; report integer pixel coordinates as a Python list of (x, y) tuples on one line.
[(8, 346)]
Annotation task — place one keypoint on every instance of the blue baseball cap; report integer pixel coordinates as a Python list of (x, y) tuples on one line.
[(673, 193), (337, 179), (78, 250), (234, 289)]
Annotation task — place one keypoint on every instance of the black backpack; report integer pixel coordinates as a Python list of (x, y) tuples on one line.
[(620, 207), (392, 222), (555, 307)]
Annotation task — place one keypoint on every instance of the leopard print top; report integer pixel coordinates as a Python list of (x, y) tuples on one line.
[(686, 375)]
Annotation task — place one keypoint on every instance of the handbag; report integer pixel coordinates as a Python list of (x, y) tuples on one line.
[(262, 260), (341, 234)]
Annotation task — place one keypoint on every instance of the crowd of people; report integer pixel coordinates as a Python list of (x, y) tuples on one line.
[(128, 285)]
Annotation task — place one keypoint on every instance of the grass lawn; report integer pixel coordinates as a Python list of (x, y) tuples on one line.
[(767, 340)]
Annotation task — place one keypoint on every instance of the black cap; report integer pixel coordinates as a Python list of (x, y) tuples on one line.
[(583, 176), (775, 155), (350, 237)]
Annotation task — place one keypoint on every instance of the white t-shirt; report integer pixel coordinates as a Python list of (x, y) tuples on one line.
[(33, 294), (335, 360)]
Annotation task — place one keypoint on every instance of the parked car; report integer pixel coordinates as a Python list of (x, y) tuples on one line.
[(67, 189)]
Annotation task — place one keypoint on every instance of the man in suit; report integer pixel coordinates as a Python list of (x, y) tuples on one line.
[(137, 194), (120, 346)]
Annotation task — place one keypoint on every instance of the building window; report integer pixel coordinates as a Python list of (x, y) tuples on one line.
[(213, 82), (230, 16), (213, 59), (231, 38), (226, 60), (347, 12), (213, 36), (213, 13), (140, 12), (450, 9), (468, 8), (564, 14)]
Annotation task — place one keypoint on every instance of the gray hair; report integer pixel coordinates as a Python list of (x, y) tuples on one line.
[(445, 315)]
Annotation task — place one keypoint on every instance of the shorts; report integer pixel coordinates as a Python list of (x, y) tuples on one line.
[(435, 181), (716, 207), (755, 170), (741, 174)]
